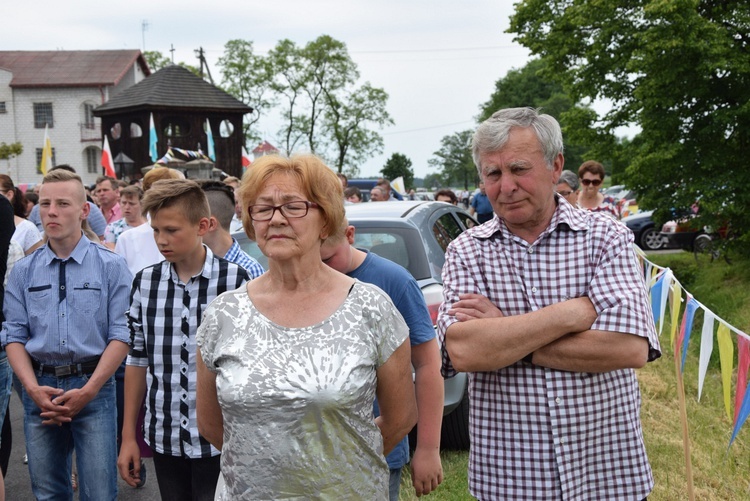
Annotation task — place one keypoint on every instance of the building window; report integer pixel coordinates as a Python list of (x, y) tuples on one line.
[(88, 116), (2, 107), (42, 115), (39, 159), (92, 160)]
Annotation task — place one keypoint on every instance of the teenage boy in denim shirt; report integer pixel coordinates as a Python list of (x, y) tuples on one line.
[(65, 334)]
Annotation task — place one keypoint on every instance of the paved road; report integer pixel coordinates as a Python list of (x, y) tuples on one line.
[(18, 485)]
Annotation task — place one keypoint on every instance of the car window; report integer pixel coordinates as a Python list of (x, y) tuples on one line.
[(388, 245), (445, 229)]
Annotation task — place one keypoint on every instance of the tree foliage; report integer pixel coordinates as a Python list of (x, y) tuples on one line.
[(156, 61), (399, 165), (680, 70), (529, 86), (314, 89), (347, 117), (8, 151), (454, 157), (247, 76)]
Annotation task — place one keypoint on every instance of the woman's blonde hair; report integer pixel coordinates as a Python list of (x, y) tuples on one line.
[(318, 182)]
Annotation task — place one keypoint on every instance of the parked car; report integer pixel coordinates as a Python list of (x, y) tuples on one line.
[(646, 235), (414, 234), (681, 233)]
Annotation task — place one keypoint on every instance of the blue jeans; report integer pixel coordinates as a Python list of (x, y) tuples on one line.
[(6, 381), (93, 434), (394, 484)]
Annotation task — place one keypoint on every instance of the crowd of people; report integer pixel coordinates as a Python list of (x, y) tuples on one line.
[(137, 327)]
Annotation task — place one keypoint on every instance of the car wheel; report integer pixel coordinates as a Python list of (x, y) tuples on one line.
[(651, 239), (455, 431)]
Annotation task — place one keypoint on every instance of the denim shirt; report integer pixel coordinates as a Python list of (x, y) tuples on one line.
[(67, 313)]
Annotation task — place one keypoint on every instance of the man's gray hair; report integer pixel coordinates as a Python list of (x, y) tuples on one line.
[(570, 178), (493, 133)]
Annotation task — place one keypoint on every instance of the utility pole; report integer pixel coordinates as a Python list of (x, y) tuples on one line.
[(172, 51), (144, 28), (201, 55)]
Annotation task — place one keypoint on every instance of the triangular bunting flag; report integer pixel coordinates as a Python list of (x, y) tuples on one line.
[(707, 347), (726, 359)]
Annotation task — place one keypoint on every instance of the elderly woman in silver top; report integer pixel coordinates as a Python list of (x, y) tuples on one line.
[(289, 365)]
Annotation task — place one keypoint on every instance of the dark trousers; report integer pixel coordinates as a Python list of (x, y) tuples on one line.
[(185, 479)]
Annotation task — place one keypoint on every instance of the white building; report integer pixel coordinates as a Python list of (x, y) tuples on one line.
[(60, 89)]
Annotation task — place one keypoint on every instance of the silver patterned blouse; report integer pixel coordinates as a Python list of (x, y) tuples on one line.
[(297, 402)]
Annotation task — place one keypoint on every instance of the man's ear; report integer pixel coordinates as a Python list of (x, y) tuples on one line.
[(350, 234), (204, 225), (213, 224), (85, 210)]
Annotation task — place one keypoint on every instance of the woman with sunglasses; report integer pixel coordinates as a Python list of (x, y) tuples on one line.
[(289, 365), (591, 175)]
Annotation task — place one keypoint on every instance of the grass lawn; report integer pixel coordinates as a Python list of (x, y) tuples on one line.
[(718, 473)]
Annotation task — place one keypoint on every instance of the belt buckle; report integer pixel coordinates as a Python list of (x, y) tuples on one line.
[(63, 370)]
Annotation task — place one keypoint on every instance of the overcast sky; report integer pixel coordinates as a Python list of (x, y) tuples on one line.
[(438, 60)]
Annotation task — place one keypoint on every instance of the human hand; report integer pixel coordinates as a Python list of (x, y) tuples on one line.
[(426, 470), (473, 306), (51, 412), (73, 400), (129, 462)]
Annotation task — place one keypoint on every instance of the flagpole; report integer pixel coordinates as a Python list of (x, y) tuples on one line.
[(683, 420)]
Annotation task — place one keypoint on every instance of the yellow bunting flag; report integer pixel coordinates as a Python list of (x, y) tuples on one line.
[(726, 358), (675, 312)]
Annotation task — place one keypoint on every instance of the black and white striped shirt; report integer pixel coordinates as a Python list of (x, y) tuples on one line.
[(164, 316)]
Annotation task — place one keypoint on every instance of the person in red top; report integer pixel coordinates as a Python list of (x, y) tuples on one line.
[(108, 195)]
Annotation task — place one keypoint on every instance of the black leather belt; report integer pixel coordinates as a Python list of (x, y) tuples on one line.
[(87, 367)]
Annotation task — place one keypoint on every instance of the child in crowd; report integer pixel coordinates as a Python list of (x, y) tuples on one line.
[(167, 303)]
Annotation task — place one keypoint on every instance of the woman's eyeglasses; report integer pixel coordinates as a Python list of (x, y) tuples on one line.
[(587, 182), (298, 208)]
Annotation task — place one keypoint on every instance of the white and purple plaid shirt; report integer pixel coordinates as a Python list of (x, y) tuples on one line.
[(540, 433)]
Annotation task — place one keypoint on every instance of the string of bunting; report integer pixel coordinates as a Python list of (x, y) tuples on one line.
[(170, 155), (665, 289)]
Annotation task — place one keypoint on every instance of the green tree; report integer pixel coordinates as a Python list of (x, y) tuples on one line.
[(328, 69), (156, 60), (454, 157), (346, 123), (399, 165), (9, 151), (678, 69), (321, 106), (528, 86), (247, 76), (288, 84), (432, 180)]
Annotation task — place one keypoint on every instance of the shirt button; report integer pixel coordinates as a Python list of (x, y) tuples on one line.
[(562, 441), (62, 287), (558, 400), (531, 250), (533, 289)]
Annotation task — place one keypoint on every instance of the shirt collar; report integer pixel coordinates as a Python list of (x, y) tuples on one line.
[(234, 249), (564, 213), (78, 254), (168, 271)]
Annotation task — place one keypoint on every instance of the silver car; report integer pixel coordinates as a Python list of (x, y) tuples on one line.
[(414, 234)]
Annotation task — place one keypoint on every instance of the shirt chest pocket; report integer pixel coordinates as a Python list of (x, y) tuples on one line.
[(39, 294), (85, 297)]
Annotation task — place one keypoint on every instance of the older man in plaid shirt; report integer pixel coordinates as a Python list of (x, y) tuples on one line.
[(547, 311)]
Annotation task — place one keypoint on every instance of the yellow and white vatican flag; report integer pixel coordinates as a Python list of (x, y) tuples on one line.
[(46, 164), (398, 185)]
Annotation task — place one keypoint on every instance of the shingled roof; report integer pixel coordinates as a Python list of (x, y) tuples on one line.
[(173, 87), (70, 68)]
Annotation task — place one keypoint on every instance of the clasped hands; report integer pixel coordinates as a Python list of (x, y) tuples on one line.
[(57, 405)]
